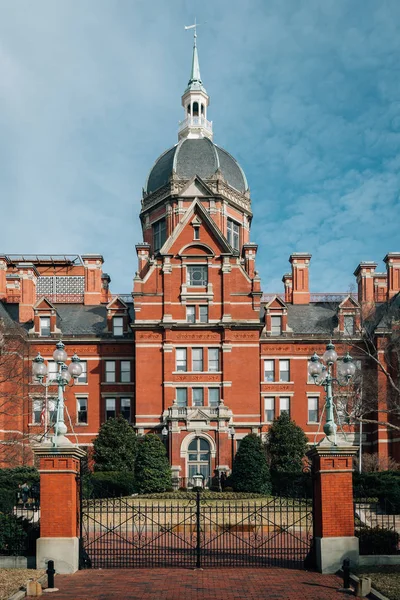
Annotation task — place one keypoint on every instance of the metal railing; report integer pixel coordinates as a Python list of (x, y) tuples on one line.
[(377, 526), (195, 122)]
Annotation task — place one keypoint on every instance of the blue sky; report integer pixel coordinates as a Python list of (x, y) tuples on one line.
[(304, 93)]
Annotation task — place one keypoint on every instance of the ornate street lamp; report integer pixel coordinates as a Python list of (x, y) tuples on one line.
[(321, 372), (231, 433), (61, 379)]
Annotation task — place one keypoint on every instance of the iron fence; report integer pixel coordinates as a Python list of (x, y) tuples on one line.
[(377, 526), (196, 532)]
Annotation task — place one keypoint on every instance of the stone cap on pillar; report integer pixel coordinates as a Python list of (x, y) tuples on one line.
[(332, 450), (43, 450)]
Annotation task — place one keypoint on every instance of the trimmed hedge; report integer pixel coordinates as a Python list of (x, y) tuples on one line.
[(8, 498), (108, 484), (205, 495), (378, 540), (384, 485), (291, 485)]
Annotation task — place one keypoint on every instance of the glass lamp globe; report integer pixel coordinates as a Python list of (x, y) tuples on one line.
[(39, 368), (59, 354), (65, 374), (314, 365), (75, 367), (348, 368), (330, 355)]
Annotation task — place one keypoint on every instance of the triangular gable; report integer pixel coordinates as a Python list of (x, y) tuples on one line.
[(117, 304), (195, 188), (275, 302), (349, 302), (43, 304), (198, 415), (196, 206)]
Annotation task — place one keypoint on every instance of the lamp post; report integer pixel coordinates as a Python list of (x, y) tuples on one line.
[(231, 432), (164, 433), (61, 379), (321, 372)]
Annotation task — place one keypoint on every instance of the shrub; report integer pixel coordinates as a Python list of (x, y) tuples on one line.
[(291, 485), (115, 446), (8, 499), (109, 484), (13, 537), (12, 478), (286, 445), (385, 484), (152, 469), (378, 540), (250, 471)]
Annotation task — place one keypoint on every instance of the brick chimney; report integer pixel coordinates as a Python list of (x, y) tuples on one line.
[(392, 260), (3, 280), (249, 254), (93, 284), (28, 274), (143, 254), (365, 281), (300, 262), (288, 283), (380, 287), (105, 288)]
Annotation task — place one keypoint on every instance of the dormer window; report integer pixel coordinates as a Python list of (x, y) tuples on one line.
[(276, 325), (118, 326), (349, 324), (44, 326), (197, 275), (233, 230)]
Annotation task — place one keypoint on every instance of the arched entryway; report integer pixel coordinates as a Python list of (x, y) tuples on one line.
[(199, 459)]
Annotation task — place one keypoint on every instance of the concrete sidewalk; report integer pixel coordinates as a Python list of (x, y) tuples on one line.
[(210, 584)]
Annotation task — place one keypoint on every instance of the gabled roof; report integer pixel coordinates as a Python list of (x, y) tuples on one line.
[(117, 303), (277, 300), (43, 303), (349, 302), (196, 206)]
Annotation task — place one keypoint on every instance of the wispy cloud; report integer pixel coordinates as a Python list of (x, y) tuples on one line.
[(306, 95)]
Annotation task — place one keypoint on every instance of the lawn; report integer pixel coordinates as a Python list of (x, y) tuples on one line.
[(384, 579)]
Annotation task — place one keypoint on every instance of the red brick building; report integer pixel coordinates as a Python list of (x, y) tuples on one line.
[(196, 350)]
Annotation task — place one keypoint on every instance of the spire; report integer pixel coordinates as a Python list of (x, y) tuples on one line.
[(195, 101)]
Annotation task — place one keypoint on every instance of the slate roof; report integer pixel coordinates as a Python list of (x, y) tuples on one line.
[(74, 319), (196, 157), (315, 318)]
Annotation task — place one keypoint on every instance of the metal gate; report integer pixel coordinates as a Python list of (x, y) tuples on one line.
[(130, 532)]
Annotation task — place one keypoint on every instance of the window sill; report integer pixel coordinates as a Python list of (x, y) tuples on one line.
[(81, 424), (313, 422), (274, 382), (196, 372)]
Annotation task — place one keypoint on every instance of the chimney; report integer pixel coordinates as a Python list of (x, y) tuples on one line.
[(392, 260), (288, 283), (105, 288), (249, 253), (93, 272), (364, 274), (3, 281), (380, 287), (28, 274), (300, 262)]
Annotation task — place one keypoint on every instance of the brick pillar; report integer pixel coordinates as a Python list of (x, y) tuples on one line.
[(59, 507), (333, 506)]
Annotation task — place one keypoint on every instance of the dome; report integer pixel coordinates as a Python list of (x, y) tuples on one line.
[(198, 156)]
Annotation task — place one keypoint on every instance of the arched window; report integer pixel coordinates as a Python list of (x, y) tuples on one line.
[(195, 109), (199, 459)]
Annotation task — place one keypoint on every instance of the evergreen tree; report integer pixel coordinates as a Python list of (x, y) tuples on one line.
[(250, 471), (152, 469), (115, 446), (286, 446)]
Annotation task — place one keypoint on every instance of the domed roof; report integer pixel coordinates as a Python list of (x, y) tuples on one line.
[(198, 156)]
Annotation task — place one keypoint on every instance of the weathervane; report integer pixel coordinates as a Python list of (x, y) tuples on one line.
[(195, 29)]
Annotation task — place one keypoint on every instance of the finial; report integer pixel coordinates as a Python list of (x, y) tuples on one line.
[(195, 31)]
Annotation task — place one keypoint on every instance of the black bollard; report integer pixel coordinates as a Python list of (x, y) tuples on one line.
[(50, 573), (346, 573)]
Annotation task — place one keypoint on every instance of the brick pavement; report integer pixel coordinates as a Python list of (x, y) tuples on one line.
[(210, 584)]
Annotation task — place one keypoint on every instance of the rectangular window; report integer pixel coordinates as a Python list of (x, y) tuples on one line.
[(110, 408), (203, 313), (181, 396), (52, 370), (110, 371), (197, 359), (83, 376), (191, 314), (52, 410), (276, 325), (44, 326), (197, 275), (125, 409), (213, 396), (181, 359), (313, 409), (118, 325), (284, 405), (196, 233), (37, 406), (213, 359), (284, 373), (125, 371), (269, 370), (349, 324), (82, 410), (159, 234), (198, 396), (269, 409), (233, 234)]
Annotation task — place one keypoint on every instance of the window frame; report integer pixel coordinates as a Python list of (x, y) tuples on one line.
[(312, 410), (123, 372), (181, 362), (213, 360), (79, 421), (199, 390), (202, 308), (118, 327), (107, 372), (190, 270), (353, 322), (37, 413), (184, 391), (282, 410), (282, 371), (114, 410), (189, 309), (233, 233), (198, 362), (218, 393), (272, 361), (274, 329), (159, 233), (83, 377), (269, 400), (47, 328), (121, 411)]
